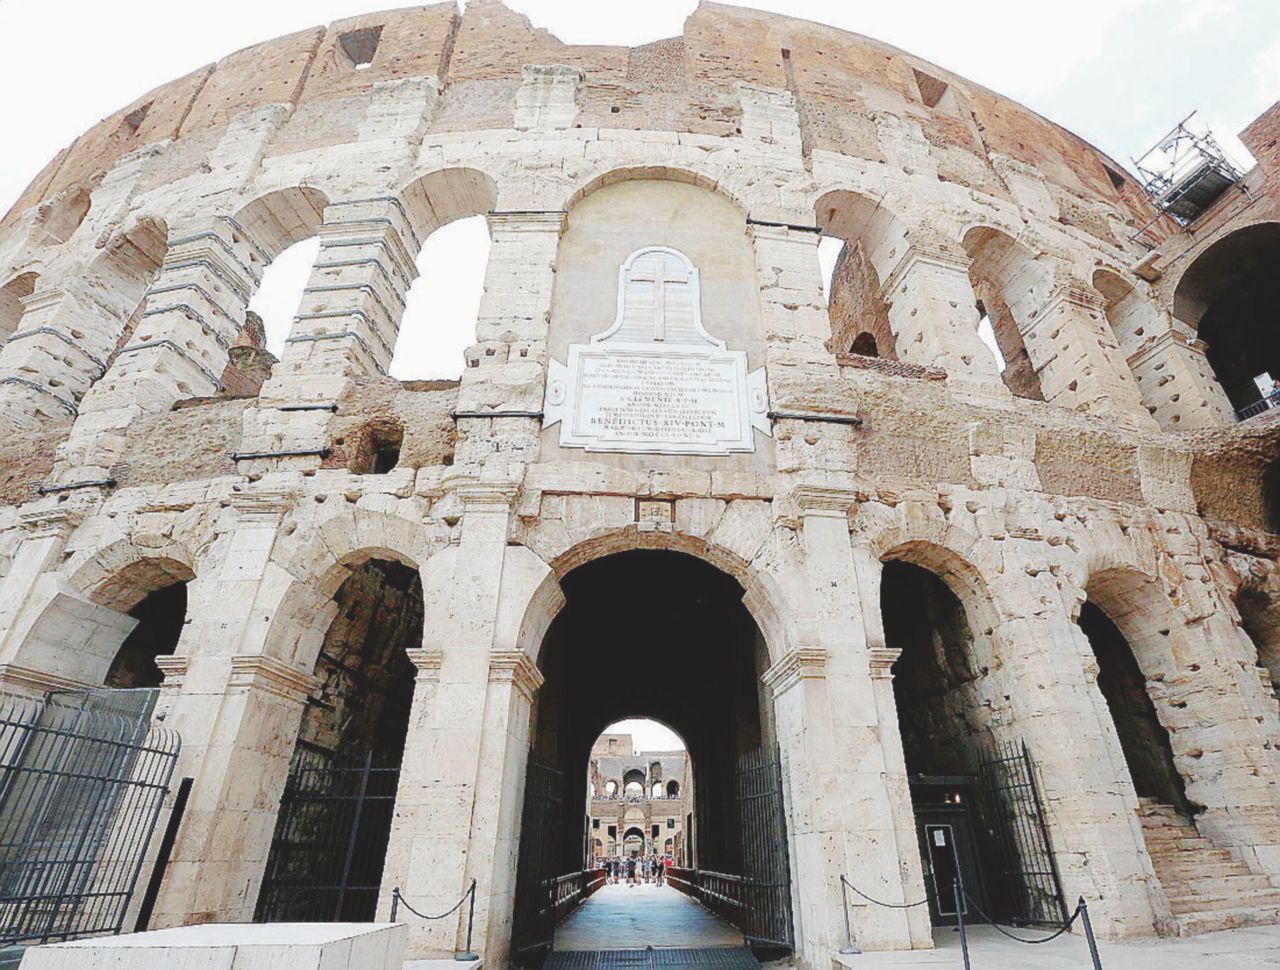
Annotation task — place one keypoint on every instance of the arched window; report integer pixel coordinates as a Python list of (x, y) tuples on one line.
[(11, 296), (865, 345), (656, 791), (443, 303), (673, 789), (280, 292), (610, 789), (1005, 274)]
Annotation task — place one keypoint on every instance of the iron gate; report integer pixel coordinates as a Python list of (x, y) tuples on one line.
[(83, 777), (330, 840), (534, 921), (1027, 888), (766, 883)]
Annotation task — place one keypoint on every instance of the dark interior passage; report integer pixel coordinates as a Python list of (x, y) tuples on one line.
[(1144, 740), (644, 634), (335, 817), (160, 615)]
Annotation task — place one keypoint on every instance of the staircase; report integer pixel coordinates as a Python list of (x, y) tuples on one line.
[(1208, 888)]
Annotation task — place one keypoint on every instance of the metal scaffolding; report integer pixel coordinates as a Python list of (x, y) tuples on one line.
[(1186, 172)]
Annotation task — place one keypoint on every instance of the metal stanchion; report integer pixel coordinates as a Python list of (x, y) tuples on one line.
[(850, 947), (1083, 907), (466, 955), (964, 940)]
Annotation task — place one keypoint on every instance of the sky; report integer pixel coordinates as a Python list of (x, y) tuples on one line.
[(1120, 73), (647, 735)]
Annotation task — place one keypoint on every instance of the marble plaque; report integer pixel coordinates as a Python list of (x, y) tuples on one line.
[(656, 381)]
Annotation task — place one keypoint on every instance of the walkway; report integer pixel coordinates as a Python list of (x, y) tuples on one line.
[(633, 917), (988, 950)]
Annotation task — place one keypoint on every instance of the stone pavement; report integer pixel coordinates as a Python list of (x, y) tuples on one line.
[(632, 917), (1256, 946)]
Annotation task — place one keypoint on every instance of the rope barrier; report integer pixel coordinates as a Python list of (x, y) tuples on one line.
[(398, 900), (878, 902), (999, 929)]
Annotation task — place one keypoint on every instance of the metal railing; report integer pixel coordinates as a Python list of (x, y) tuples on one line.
[(1256, 408), (720, 892), (398, 900), (83, 777)]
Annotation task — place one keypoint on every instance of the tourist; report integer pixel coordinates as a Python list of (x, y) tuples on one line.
[(659, 868), (631, 870)]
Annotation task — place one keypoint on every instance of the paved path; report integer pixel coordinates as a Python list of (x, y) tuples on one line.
[(1228, 950), (633, 917)]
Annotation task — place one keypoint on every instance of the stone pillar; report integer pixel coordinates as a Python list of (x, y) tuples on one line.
[(458, 804), (1177, 383), (49, 362), (1072, 347), (842, 814), (1050, 676), (237, 711), (346, 327), (506, 367), (934, 316), (793, 310), (178, 350)]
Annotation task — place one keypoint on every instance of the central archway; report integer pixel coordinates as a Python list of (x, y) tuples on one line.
[(663, 635)]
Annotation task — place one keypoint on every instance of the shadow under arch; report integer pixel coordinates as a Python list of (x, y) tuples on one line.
[(1229, 297)]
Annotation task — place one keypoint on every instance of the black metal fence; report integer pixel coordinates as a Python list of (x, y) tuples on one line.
[(83, 777), (1027, 889), (766, 885), (330, 840)]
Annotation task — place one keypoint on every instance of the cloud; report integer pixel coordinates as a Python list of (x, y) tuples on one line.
[(1266, 73), (1199, 13)]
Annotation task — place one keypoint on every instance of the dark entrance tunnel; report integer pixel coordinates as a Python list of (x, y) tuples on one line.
[(644, 634)]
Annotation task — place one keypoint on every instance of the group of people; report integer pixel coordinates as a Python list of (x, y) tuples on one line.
[(635, 870)]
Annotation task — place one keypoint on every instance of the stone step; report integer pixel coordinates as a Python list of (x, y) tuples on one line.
[(1225, 919), (1217, 898), (1179, 872)]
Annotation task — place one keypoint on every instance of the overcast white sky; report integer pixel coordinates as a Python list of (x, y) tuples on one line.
[(648, 735), (1117, 72)]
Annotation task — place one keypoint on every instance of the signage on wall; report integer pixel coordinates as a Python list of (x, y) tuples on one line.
[(655, 382)]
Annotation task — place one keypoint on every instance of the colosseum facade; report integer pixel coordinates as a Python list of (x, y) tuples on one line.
[(824, 536)]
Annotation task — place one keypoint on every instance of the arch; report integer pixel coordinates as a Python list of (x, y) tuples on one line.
[(875, 240), (668, 173), (437, 198), (1009, 285), (865, 345), (673, 789), (271, 223), (62, 215), (612, 787), (762, 594), (11, 306), (1229, 297), (119, 574)]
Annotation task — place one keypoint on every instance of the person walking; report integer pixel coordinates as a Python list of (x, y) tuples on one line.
[(659, 870)]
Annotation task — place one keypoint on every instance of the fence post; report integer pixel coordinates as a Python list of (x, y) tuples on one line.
[(849, 947), (395, 903), (467, 955), (1088, 934), (964, 940)]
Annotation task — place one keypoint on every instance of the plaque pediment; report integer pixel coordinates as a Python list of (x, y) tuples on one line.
[(655, 381)]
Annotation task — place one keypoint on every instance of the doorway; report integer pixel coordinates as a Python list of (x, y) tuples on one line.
[(661, 635)]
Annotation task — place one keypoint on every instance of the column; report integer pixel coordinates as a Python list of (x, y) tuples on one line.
[(506, 367), (49, 362), (178, 349), (797, 326), (237, 709), (1177, 383), (1050, 676), (459, 801), (934, 316), (346, 327), (841, 812), (1072, 347)]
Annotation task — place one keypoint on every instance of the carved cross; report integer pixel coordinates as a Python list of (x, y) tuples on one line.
[(660, 279)]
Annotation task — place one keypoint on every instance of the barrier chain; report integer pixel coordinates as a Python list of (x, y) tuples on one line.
[(961, 896), (397, 900)]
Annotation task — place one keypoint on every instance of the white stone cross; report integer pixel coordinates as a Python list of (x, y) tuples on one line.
[(660, 279)]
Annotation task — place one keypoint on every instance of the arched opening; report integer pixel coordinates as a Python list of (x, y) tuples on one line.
[(280, 291), (11, 306), (943, 698), (1271, 494), (442, 305), (62, 216), (872, 240), (1168, 726), (703, 635), (1229, 298), (448, 211), (1005, 276), (334, 823), (635, 749), (1259, 606)]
